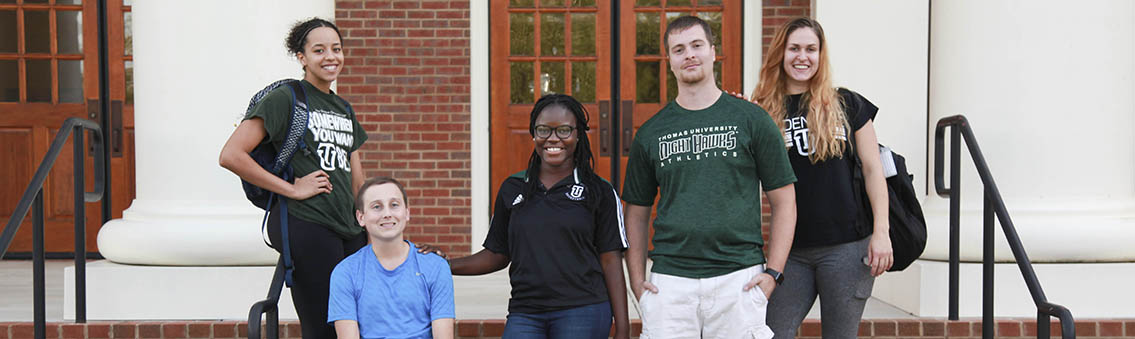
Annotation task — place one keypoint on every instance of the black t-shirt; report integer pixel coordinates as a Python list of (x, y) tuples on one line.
[(826, 209), (554, 241)]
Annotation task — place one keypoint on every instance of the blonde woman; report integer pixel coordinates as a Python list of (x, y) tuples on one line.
[(837, 251)]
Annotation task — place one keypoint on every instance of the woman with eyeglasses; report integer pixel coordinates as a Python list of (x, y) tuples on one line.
[(561, 227)]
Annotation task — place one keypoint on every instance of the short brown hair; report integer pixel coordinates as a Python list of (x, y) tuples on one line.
[(682, 23), (379, 180)]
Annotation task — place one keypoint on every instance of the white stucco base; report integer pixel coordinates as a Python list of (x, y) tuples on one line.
[(186, 233), (1088, 290), (117, 291)]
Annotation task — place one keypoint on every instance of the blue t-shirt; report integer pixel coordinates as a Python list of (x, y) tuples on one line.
[(398, 303)]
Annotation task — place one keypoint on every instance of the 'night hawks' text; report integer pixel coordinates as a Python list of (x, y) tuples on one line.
[(696, 144)]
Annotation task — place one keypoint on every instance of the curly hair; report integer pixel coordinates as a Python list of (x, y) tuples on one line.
[(297, 37)]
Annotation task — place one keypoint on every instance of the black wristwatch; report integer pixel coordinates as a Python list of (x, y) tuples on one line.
[(776, 275)]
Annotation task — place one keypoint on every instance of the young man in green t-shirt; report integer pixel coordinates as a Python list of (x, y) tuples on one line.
[(708, 152)]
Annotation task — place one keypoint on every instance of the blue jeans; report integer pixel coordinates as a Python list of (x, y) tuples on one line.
[(590, 321)]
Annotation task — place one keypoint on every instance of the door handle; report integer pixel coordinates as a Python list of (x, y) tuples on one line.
[(604, 128), (116, 128), (627, 125), (93, 115)]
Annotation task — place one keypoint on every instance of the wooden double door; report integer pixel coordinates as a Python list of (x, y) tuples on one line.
[(48, 73), (564, 46)]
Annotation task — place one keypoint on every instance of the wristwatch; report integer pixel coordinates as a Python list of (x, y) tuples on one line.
[(776, 275)]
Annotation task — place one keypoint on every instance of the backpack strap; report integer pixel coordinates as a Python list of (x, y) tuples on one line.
[(859, 184), (293, 141), (297, 125)]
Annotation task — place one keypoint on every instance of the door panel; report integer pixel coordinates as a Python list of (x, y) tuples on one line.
[(50, 50), (537, 48)]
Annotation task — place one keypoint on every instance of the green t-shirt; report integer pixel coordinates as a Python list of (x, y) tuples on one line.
[(708, 165), (332, 133)]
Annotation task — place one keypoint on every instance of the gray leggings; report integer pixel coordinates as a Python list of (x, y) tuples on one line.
[(837, 274)]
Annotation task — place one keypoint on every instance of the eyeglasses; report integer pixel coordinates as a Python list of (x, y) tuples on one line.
[(562, 131)]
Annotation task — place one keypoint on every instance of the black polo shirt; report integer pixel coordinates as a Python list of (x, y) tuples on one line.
[(553, 240)]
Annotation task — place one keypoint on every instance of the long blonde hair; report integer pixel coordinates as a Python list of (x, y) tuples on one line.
[(826, 118)]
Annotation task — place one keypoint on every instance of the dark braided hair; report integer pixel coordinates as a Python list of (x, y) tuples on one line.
[(297, 37), (583, 159)]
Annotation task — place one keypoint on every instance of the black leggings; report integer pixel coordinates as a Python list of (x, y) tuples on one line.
[(315, 252)]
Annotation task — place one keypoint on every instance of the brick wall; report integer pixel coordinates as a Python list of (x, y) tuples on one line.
[(777, 12), (407, 76)]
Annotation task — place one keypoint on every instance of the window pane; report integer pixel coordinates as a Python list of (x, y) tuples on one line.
[(642, 3), (714, 21), (583, 34), (70, 80), (646, 85), (672, 3), (127, 2), (7, 1), (709, 3), (670, 16), (9, 81), (68, 2), (552, 77), (8, 31), (552, 34), (35, 1), (552, 3), (583, 3), (717, 73), (523, 86), (36, 32), (128, 31), (523, 33), (521, 3), (129, 82), (647, 33), (671, 86), (583, 81), (39, 80), (69, 31)]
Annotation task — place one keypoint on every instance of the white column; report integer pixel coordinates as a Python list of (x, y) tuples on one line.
[(1047, 87), (197, 63), (886, 65)]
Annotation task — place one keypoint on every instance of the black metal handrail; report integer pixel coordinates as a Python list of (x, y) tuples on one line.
[(33, 200), (268, 307), (959, 129)]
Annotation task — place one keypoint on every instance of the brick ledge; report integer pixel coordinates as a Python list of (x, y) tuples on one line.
[(492, 328)]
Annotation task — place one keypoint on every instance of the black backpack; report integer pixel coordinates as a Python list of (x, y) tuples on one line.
[(278, 162), (908, 226)]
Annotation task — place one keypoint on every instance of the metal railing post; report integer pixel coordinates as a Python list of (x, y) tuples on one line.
[(1043, 327), (987, 268), (955, 211), (80, 224), (39, 309)]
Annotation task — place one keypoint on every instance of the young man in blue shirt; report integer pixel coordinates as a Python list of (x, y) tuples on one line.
[(387, 289)]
